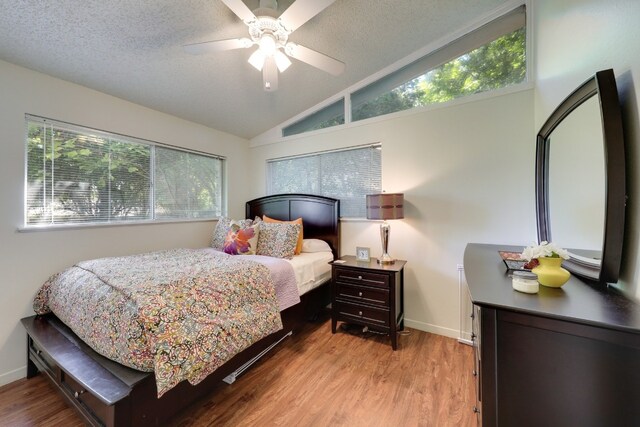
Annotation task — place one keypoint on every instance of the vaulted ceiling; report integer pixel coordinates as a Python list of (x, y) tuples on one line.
[(132, 49)]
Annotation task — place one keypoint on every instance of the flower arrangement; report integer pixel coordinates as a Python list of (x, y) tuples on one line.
[(543, 250)]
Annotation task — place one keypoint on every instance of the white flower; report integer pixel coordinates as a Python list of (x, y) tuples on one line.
[(544, 249)]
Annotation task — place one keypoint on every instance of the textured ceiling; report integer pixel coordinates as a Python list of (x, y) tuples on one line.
[(132, 49)]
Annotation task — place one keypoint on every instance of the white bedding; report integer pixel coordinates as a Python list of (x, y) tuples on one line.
[(311, 269)]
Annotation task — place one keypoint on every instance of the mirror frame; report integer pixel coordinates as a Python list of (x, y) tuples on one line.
[(603, 84)]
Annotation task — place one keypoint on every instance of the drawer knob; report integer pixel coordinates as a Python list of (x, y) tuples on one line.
[(359, 277), (78, 393), (359, 294), (475, 409), (359, 313), (475, 373), (39, 352)]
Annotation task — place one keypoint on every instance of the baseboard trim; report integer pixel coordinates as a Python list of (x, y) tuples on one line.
[(467, 342), (434, 329), (465, 336), (11, 376)]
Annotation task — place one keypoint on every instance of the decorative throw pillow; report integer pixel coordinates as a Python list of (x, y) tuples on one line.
[(296, 221), (278, 239), (242, 241), (222, 228)]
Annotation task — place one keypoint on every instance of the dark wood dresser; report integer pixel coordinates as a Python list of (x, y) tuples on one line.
[(368, 294), (561, 357)]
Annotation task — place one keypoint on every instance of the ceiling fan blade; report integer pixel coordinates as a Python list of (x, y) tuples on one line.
[(217, 46), (301, 11), (240, 9), (317, 59), (270, 75)]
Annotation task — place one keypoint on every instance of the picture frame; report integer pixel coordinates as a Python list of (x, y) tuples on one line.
[(363, 254)]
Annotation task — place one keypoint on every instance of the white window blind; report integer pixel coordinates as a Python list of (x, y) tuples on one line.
[(188, 185), (348, 175), (78, 175)]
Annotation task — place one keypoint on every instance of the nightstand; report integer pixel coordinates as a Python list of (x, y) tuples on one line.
[(368, 294)]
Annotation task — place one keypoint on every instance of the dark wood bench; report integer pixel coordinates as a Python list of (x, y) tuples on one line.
[(97, 387), (106, 393)]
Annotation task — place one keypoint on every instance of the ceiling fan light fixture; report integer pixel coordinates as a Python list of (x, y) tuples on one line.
[(270, 74), (282, 62), (257, 59), (267, 44), (271, 34)]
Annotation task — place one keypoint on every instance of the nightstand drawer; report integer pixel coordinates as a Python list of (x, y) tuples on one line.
[(363, 294), (361, 277), (364, 314)]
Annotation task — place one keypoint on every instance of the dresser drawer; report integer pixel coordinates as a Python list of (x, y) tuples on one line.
[(363, 294), (361, 277), (362, 314)]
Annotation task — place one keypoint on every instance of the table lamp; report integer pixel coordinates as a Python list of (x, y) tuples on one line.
[(385, 206)]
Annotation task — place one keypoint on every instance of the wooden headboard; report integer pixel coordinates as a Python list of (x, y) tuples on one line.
[(320, 215)]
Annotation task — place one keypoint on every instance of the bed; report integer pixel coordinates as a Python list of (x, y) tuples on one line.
[(107, 393)]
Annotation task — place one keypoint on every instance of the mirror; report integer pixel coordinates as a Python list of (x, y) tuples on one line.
[(576, 171), (580, 179)]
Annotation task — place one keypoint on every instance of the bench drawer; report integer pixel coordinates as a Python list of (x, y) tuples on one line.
[(76, 391)]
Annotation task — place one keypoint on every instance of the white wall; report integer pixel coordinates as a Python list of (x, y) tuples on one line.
[(28, 258), (466, 170), (573, 39)]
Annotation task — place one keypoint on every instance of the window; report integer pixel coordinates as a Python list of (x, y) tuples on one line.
[(77, 175), (187, 185), (331, 115), (496, 64), (490, 57), (348, 175)]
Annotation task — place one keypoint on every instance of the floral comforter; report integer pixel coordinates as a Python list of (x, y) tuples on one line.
[(180, 313)]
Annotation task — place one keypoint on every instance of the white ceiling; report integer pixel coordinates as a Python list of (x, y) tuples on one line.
[(132, 49)]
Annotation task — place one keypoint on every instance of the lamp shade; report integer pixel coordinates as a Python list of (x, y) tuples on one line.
[(385, 206)]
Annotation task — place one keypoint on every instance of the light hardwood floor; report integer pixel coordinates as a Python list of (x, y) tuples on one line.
[(313, 379)]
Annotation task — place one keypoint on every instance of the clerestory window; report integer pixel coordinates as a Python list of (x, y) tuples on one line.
[(491, 57)]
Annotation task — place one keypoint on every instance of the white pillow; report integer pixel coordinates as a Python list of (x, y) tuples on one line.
[(315, 245)]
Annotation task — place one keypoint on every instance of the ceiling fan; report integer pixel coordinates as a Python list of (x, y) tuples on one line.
[(271, 35)]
